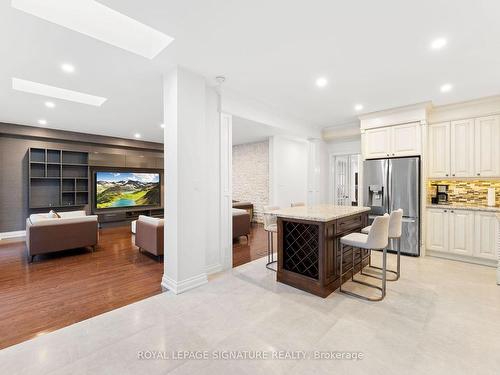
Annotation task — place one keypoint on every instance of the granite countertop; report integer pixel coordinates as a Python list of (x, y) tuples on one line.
[(322, 212), (468, 207)]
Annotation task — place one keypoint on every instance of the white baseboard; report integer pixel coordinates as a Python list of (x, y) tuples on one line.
[(183, 286), (214, 268), (17, 233), (462, 258)]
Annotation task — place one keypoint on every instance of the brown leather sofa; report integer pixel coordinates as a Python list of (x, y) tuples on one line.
[(241, 223), (247, 206), (71, 230), (149, 234)]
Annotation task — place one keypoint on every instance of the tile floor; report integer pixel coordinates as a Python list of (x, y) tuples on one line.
[(441, 317)]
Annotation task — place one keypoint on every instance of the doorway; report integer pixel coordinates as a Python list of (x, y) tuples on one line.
[(344, 180)]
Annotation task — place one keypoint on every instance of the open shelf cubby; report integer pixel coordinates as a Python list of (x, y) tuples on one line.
[(58, 178)]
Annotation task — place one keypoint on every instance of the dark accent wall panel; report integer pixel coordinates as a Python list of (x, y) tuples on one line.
[(14, 167)]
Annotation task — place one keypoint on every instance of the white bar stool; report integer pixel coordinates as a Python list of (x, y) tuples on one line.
[(297, 204), (395, 231), (377, 239), (270, 226)]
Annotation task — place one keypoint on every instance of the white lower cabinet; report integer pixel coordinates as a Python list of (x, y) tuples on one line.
[(485, 235), (437, 229), (462, 232), (461, 227)]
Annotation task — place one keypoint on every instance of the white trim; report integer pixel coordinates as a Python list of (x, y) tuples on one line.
[(14, 234), (462, 258), (184, 285), (214, 268), (226, 191)]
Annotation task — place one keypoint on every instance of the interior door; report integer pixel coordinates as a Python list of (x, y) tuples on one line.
[(341, 185)]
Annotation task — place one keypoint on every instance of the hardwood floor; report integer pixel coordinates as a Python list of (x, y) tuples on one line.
[(255, 248), (61, 289)]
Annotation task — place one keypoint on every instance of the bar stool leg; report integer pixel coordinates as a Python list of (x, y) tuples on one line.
[(398, 269), (270, 251), (341, 260), (384, 272)]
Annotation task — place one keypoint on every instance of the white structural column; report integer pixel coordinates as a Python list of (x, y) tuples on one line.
[(186, 192)]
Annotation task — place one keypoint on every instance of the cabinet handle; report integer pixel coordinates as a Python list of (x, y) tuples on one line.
[(479, 174), (446, 174), (452, 212), (388, 155), (445, 210), (393, 154), (453, 174)]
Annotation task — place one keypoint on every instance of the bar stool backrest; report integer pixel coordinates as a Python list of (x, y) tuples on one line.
[(396, 223), (297, 204), (268, 218), (378, 238)]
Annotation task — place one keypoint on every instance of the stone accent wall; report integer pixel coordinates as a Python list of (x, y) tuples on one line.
[(251, 175), (468, 191)]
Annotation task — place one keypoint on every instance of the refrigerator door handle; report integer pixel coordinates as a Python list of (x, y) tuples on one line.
[(389, 186)]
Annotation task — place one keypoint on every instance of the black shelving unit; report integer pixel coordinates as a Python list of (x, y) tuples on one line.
[(58, 178)]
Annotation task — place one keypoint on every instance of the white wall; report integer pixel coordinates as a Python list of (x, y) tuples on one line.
[(288, 170), (251, 175)]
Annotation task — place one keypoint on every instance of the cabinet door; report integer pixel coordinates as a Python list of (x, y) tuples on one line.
[(461, 229), (462, 148), (377, 143), (487, 150), (485, 235), (439, 150), (406, 140), (437, 229)]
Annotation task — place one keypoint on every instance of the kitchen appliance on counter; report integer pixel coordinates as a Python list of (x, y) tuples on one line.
[(390, 184), (440, 194)]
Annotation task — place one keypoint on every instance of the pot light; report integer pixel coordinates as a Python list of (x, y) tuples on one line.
[(56, 92), (162, 126), (42, 122), (137, 135), (49, 104), (438, 43), (68, 68), (321, 82), (446, 87), (91, 18), (358, 107)]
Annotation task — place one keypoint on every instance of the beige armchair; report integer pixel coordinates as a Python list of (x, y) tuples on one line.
[(149, 234)]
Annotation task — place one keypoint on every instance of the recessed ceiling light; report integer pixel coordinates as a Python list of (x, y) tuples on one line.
[(446, 87), (162, 126), (137, 135), (56, 92), (358, 107), (42, 122), (438, 43), (96, 20), (321, 82), (49, 104), (68, 68)]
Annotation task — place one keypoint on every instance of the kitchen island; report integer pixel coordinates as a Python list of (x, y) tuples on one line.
[(309, 245)]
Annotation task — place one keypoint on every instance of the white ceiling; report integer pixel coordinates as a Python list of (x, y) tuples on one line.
[(372, 52), (248, 131)]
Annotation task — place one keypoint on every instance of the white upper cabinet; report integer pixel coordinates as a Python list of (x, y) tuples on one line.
[(392, 141), (377, 143), (462, 148), (465, 148), (406, 140), (487, 146), (461, 227), (486, 233), (439, 150)]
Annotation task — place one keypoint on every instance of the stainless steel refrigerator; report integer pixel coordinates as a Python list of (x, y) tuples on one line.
[(390, 184)]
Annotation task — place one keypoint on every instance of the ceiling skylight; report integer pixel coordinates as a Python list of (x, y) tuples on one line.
[(56, 92), (100, 22)]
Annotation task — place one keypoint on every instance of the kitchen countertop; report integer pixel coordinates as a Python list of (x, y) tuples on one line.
[(468, 207), (322, 212)]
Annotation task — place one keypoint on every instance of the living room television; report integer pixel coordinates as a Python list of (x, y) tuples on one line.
[(127, 189)]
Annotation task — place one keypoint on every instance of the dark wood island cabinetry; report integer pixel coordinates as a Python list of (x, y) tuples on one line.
[(309, 246)]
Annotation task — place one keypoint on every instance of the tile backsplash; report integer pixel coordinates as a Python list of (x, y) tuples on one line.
[(472, 192)]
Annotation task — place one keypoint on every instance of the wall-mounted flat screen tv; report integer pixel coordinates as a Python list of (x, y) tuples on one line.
[(127, 189)]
